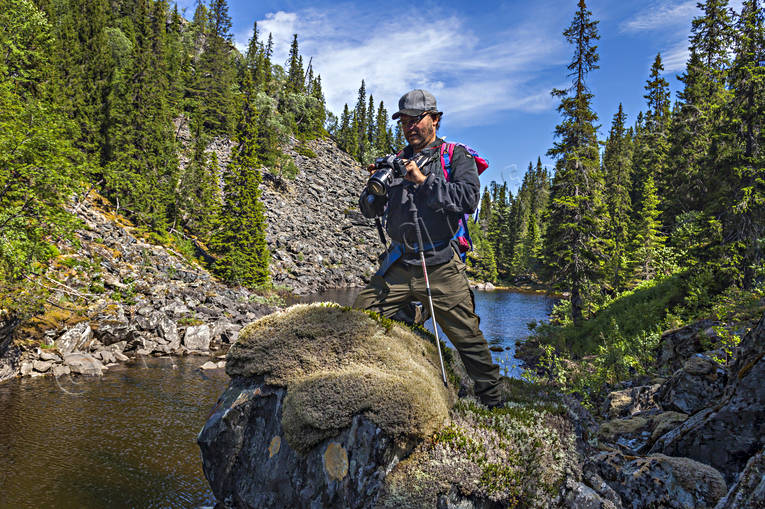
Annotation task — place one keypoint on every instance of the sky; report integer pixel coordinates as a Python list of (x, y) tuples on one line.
[(491, 65)]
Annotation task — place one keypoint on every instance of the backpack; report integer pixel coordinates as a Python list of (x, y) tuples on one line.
[(463, 234)]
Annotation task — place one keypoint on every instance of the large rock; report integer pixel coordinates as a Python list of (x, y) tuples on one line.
[(77, 338), (700, 382), (198, 337), (677, 345), (630, 401), (727, 435), (661, 481), (749, 490), (83, 364), (323, 402)]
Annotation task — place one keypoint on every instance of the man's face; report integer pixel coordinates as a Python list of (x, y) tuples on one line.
[(419, 131)]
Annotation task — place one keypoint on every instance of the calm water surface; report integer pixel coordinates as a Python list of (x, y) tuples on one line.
[(128, 439)]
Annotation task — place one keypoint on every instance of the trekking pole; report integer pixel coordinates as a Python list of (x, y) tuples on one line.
[(413, 210)]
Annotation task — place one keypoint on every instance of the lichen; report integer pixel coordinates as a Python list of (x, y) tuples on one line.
[(515, 456), (339, 362)]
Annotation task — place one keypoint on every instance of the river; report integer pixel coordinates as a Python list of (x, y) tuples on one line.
[(128, 439)]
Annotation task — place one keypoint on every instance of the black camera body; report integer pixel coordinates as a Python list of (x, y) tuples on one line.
[(388, 168)]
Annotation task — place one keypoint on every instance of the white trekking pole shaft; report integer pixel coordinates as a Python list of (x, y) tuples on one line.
[(413, 209)]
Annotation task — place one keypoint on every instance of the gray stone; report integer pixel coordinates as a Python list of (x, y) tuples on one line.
[(77, 338), (749, 491), (580, 496), (726, 435), (112, 330), (209, 365), (83, 364), (42, 366), (661, 481), (49, 356), (246, 424), (26, 368), (168, 331), (197, 338), (61, 370), (630, 401), (700, 382), (121, 357)]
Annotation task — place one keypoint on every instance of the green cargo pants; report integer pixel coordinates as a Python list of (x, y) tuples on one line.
[(454, 308)]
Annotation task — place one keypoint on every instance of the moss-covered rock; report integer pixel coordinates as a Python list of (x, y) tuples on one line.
[(338, 362)]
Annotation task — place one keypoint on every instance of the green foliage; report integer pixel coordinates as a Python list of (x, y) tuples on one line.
[(39, 169)]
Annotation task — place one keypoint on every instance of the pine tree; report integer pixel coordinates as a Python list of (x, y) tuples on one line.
[(652, 137), (692, 158), (360, 123), (215, 74), (617, 168), (142, 164), (240, 237), (381, 138), (742, 168), (295, 76), (647, 238), (573, 237), (39, 168), (83, 64)]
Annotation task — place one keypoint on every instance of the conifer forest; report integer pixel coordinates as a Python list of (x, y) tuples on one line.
[(665, 217)]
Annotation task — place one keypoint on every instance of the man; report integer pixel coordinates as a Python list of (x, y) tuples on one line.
[(439, 206)]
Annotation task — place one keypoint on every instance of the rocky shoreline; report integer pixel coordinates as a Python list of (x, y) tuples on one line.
[(692, 435)]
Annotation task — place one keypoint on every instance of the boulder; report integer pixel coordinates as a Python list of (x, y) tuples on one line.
[(677, 345), (323, 402), (112, 330), (700, 382), (61, 370), (198, 338), (634, 435), (168, 331), (727, 435), (630, 401), (49, 356), (83, 364), (77, 338), (42, 366), (661, 481), (209, 365), (749, 490)]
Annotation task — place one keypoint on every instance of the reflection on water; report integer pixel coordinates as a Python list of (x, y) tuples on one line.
[(127, 439), (505, 316)]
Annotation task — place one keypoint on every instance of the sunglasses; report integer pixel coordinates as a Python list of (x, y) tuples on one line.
[(414, 120)]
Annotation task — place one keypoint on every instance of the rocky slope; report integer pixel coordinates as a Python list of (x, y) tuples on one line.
[(317, 237)]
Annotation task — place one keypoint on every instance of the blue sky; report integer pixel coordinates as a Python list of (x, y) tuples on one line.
[(491, 65)]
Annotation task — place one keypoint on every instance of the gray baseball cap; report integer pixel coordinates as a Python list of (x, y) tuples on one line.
[(416, 102)]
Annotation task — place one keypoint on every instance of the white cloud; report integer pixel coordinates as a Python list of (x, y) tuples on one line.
[(675, 58), (662, 15), (472, 78)]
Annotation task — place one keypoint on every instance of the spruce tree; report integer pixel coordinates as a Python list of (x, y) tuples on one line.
[(239, 241), (648, 238), (617, 168), (742, 168), (295, 77), (382, 142), (215, 76), (573, 238)]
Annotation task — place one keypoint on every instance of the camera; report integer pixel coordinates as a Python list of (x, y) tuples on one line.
[(388, 168)]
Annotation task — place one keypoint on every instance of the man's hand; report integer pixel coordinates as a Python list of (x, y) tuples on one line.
[(413, 173)]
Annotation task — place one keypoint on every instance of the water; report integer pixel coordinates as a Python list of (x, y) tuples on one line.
[(128, 439), (505, 316)]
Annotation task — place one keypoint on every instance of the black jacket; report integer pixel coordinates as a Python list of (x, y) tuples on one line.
[(440, 204)]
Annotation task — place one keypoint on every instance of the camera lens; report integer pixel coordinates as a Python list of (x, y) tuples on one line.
[(376, 187)]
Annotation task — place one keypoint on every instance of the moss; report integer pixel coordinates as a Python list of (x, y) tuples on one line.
[(338, 362), (514, 456)]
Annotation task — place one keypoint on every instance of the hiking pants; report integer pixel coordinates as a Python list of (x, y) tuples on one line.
[(454, 308)]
